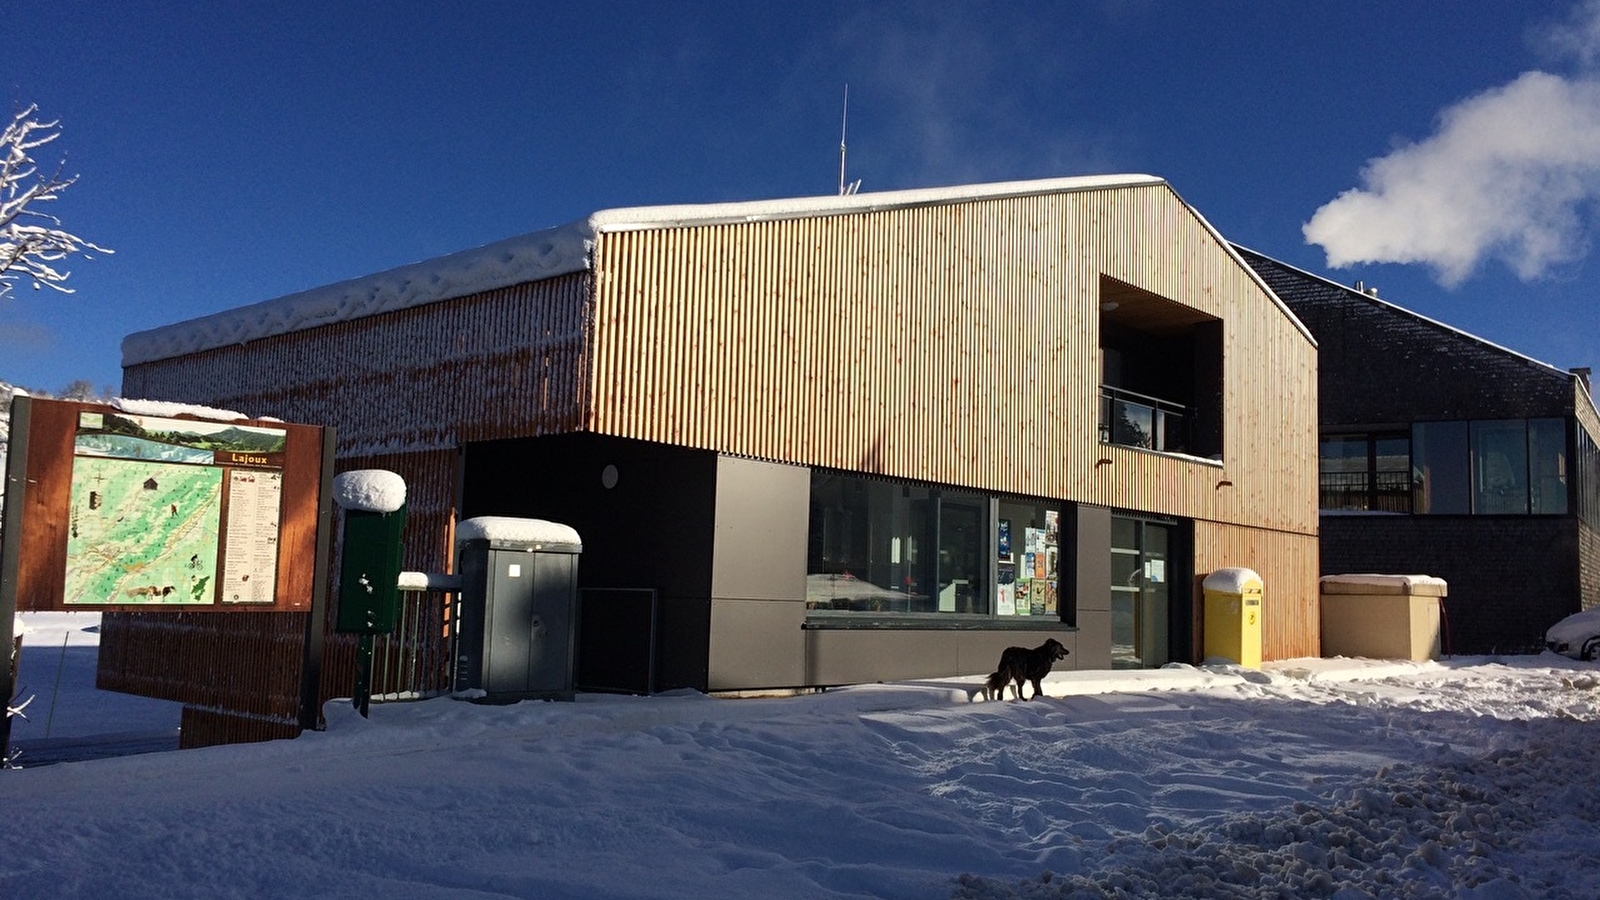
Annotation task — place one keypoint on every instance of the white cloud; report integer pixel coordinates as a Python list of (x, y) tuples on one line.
[(1511, 174), (1577, 38)]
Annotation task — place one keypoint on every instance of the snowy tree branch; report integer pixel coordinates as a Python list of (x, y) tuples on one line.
[(31, 241)]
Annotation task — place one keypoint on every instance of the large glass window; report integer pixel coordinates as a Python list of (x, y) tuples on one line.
[(870, 546), (1586, 472), (1491, 467), (1439, 468), (1499, 466), (1547, 466), (1342, 471), (1367, 472), (1028, 542), (892, 548), (963, 574)]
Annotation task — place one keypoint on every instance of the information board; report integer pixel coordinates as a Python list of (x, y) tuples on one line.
[(123, 510)]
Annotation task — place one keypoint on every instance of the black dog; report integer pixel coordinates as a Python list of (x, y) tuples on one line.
[(1019, 664)]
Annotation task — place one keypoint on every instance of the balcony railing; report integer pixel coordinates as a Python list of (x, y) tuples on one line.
[(1138, 420), (1355, 491)]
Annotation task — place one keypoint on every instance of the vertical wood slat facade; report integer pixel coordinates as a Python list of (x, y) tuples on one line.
[(939, 368), (957, 343)]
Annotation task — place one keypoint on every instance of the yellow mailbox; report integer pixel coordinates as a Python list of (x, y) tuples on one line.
[(1233, 616)]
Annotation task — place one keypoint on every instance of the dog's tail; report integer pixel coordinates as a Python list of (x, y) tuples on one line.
[(997, 683)]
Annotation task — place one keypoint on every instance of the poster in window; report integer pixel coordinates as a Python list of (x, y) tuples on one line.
[(1005, 604), (1050, 604), (1004, 539), (1052, 527), (1024, 601), (1035, 540)]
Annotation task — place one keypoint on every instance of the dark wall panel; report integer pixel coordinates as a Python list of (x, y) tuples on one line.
[(651, 528), (1510, 577)]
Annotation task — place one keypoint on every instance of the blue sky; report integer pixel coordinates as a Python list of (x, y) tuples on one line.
[(234, 152)]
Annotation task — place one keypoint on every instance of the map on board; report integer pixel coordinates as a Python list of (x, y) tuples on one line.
[(173, 511)]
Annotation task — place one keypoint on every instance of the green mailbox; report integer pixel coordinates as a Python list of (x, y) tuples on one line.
[(369, 578), (374, 504)]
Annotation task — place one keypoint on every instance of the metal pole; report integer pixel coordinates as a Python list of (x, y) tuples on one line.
[(363, 691), (10, 551)]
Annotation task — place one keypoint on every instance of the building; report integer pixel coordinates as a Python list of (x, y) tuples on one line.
[(1446, 455), (840, 439)]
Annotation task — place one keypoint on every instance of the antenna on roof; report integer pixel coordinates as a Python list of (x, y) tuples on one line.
[(844, 119)]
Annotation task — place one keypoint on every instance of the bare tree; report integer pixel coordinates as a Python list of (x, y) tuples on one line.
[(32, 242)]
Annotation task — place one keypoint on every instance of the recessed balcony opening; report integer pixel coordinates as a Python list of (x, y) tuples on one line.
[(1160, 373)]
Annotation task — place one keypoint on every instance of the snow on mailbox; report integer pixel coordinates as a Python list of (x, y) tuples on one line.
[(374, 504)]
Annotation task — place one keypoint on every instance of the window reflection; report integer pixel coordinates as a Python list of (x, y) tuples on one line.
[(1483, 467), (877, 546), (884, 547), (1499, 467)]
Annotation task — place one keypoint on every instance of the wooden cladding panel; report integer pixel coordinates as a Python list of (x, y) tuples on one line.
[(1287, 564), (242, 664), (955, 343), (209, 728), (508, 362)]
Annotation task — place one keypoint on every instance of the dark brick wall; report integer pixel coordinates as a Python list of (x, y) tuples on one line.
[(1589, 564), (1510, 577), (1380, 364)]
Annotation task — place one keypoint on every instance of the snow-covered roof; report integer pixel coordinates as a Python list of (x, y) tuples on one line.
[(560, 251), (529, 257), (1379, 302)]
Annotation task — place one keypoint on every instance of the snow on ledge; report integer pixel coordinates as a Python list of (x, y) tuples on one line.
[(369, 490), (1372, 583), (165, 409), (504, 529), (534, 257), (429, 581)]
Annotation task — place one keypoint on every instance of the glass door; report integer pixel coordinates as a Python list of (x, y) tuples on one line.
[(1141, 607)]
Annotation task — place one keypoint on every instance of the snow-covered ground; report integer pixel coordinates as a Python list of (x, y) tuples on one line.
[(1347, 779)]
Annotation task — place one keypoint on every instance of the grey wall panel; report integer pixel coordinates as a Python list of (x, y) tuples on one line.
[(853, 656), (849, 656), (1093, 568), (756, 644), (762, 514), (980, 650), (1094, 640)]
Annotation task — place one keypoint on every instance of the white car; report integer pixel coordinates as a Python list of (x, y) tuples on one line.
[(1577, 636)]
